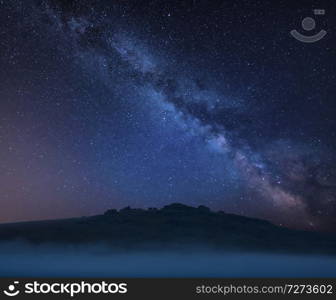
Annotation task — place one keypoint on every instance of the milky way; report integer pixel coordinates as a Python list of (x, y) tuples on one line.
[(115, 105)]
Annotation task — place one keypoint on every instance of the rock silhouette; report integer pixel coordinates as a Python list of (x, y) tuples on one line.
[(175, 226)]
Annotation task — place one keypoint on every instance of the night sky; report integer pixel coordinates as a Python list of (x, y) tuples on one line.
[(107, 104)]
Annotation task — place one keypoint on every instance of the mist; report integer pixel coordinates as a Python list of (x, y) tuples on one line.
[(28, 260)]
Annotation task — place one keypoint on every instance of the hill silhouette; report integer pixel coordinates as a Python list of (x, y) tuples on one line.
[(175, 226)]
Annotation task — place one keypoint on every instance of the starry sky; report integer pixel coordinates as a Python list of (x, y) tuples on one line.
[(107, 104)]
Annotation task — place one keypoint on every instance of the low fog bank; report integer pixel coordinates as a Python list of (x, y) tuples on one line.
[(22, 259)]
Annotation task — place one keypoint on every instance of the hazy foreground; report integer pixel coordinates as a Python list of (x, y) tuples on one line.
[(28, 260)]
